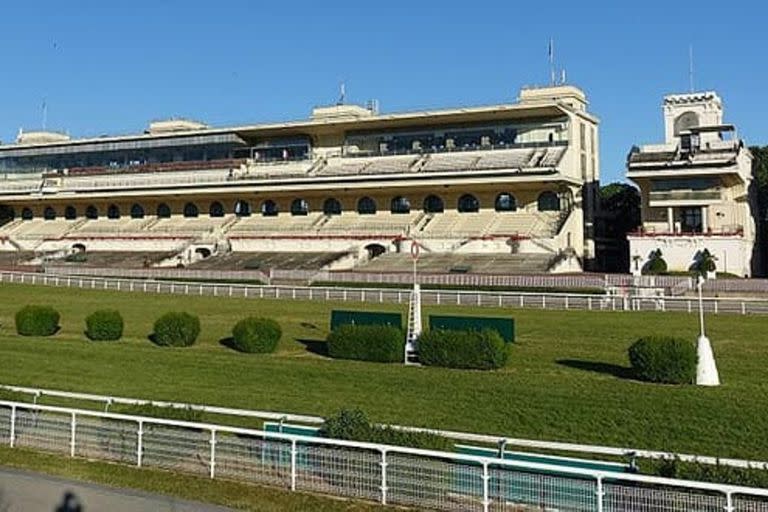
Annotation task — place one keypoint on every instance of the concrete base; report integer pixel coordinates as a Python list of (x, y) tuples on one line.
[(706, 369)]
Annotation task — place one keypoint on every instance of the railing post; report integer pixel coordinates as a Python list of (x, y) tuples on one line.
[(293, 464), (589, 303), (600, 493), (729, 502), (213, 453), (486, 488), (743, 308), (383, 464), (140, 443), (73, 433), (13, 426)]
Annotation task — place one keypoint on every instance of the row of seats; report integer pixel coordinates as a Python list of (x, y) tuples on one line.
[(448, 224), (441, 263)]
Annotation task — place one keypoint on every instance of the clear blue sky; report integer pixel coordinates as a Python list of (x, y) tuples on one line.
[(103, 68)]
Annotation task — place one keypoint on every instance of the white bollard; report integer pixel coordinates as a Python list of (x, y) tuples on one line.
[(706, 369)]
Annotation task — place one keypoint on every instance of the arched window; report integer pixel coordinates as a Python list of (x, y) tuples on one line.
[(549, 202), (70, 213), (269, 208), (468, 204), (113, 212), (299, 207), (400, 204), (91, 212), (332, 206), (366, 206), (216, 209), (190, 210), (163, 211), (26, 214), (137, 211), (49, 213), (433, 204), (243, 209), (686, 121), (506, 202)]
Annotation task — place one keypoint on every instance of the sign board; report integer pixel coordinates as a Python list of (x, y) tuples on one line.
[(504, 326), (343, 317)]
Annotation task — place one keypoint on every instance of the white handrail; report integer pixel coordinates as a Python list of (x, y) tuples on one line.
[(457, 436), (514, 464)]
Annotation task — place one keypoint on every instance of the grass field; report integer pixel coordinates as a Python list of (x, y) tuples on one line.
[(566, 379)]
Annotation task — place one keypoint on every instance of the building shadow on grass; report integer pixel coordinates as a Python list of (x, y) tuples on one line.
[(318, 347), (615, 370)]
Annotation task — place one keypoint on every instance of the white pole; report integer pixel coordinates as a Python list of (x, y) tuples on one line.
[(706, 369)]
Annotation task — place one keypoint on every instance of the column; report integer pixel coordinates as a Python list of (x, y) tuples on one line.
[(670, 219)]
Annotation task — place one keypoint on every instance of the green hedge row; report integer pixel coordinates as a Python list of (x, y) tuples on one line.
[(477, 350), (353, 425), (380, 343), (175, 329), (663, 359)]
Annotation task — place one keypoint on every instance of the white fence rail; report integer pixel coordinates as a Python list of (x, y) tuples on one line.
[(543, 300), (612, 451), (378, 473)]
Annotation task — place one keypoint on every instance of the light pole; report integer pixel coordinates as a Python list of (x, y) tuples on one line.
[(706, 369)]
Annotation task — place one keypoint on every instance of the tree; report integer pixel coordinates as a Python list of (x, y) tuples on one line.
[(760, 173), (619, 214)]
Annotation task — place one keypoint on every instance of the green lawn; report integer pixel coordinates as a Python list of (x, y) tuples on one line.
[(584, 399)]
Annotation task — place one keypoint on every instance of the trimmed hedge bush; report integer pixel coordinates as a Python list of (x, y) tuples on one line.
[(104, 325), (37, 321), (353, 425), (478, 350), (176, 330), (663, 359), (380, 343), (256, 335)]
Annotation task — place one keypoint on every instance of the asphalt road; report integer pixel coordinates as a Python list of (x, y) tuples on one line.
[(29, 492)]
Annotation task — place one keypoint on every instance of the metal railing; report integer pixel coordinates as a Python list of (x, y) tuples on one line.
[(554, 446), (385, 474), (543, 300)]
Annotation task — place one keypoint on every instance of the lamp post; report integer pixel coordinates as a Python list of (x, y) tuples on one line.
[(706, 369)]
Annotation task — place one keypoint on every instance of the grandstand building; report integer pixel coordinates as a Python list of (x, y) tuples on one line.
[(697, 190), (497, 189)]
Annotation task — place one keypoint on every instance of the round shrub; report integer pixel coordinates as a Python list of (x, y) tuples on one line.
[(104, 325), (176, 330), (473, 349), (663, 359), (37, 321), (380, 343), (256, 335)]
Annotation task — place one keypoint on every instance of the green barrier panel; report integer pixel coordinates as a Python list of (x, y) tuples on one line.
[(343, 317), (569, 462), (504, 326)]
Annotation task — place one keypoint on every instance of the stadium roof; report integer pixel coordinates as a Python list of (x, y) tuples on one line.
[(312, 126)]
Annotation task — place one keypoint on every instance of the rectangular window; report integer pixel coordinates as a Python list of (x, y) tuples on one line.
[(584, 166), (583, 137)]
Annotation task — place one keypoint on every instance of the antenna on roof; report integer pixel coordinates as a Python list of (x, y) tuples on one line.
[(562, 76), (45, 114), (551, 53), (690, 66), (342, 94)]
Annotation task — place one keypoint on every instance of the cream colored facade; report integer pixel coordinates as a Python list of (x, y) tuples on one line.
[(546, 143), (696, 189)]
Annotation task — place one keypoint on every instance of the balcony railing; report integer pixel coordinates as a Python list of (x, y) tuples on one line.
[(685, 195), (728, 230)]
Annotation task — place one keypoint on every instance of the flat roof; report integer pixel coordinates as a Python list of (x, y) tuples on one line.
[(489, 113)]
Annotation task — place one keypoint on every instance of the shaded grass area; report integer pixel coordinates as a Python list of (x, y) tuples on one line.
[(219, 492), (565, 380)]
